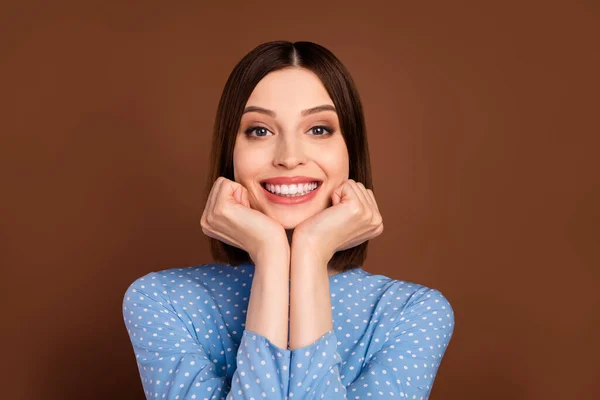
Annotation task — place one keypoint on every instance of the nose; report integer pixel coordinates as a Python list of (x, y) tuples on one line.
[(289, 152)]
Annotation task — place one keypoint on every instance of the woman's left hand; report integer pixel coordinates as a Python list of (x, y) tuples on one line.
[(352, 219)]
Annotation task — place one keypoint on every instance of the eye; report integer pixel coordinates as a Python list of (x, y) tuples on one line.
[(321, 130), (261, 131)]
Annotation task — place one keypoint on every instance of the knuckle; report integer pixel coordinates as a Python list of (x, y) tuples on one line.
[(356, 210), (210, 219), (221, 211), (218, 211), (378, 220), (205, 228)]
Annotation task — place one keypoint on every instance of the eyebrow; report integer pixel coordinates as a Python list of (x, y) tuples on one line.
[(304, 113)]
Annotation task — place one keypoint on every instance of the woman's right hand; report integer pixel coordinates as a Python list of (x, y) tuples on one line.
[(228, 217)]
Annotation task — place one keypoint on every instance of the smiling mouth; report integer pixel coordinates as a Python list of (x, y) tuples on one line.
[(293, 190)]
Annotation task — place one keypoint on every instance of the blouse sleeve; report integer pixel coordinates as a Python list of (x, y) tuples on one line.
[(404, 367), (173, 365)]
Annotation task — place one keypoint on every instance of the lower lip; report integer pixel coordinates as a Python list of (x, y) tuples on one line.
[(290, 200)]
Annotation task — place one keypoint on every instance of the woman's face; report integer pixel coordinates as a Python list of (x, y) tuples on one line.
[(283, 137)]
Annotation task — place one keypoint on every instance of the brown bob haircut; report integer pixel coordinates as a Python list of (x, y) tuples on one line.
[(266, 58)]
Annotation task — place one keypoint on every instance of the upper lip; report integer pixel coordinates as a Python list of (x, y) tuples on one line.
[(289, 180)]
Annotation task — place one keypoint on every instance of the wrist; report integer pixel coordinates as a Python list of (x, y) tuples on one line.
[(274, 252), (311, 247), (309, 254)]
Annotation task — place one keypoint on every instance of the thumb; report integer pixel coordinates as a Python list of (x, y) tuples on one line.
[(244, 197), (237, 195), (336, 196), (342, 193)]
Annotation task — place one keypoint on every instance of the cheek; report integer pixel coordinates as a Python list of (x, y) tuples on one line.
[(242, 166), (245, 171), (246, 166), (335, 163)]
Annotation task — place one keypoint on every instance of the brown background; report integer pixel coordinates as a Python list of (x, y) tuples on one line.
[(482, 123)]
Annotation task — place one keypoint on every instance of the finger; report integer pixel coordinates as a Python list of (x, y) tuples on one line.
[(251, 195), (245, 201), (364, 191), (360, 196), (335, 197), (352, 195), (215, 194), (365, 195), (210, 200), (230, 191), (338, 194), (379, 217), (228, 188), (372, 196), (237, 195)]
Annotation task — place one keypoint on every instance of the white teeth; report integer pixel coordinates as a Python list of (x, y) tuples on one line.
[(292, 190)]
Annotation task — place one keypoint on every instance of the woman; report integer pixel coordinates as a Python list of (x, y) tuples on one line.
[(287, 309)]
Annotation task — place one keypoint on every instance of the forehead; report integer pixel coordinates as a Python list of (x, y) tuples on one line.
[(289, 89)]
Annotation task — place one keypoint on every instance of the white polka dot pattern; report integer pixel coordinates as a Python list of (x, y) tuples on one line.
[(186, 326)]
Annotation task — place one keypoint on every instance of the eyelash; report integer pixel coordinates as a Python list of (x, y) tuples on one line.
[(251, 129)]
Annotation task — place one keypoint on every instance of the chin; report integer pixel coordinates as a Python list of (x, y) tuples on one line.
[(291, 221)]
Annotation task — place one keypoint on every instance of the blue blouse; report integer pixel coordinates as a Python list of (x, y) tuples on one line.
[(186, 326)]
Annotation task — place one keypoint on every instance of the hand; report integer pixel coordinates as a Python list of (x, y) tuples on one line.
[(228, 217), (352, 219)]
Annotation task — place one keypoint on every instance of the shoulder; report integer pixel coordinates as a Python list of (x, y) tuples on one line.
[(426, 309), (406, 298), (407, 292), (419, 294), (166, 283)]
